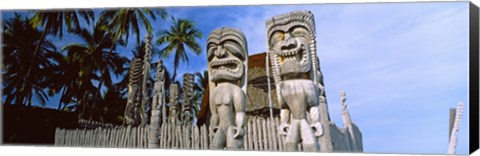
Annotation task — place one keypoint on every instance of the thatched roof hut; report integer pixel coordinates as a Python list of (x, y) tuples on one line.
[(257, 91)]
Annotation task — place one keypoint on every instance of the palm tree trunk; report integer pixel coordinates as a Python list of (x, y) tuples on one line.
[(174, 75), (97, 93), (9, 99), (84, 105), (29, 70), (29, 99), (100, 83), (61, 98)]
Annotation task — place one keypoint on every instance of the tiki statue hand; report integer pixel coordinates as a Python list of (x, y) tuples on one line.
[(283, 129), (214, 129), (317, 129), (239, 132)]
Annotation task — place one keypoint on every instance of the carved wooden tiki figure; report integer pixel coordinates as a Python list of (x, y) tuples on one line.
[(174, 100), (291, 44), (158, 104), (187, 114), (159, 91), (146, 75), (227, 70), (132, 114), (158, 100)]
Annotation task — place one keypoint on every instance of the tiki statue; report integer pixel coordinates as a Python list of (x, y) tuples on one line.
[(158, 104), (159, 91), (227, 71), (132, 113), (188, 83), (146, 75), (291, 45), (174, 100)]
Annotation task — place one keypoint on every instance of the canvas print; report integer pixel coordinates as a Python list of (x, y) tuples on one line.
[(354, 78)]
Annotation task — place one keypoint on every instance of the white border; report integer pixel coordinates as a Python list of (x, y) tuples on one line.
[(62, 4), (61, 151)]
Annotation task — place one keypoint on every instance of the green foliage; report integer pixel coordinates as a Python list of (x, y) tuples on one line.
[(26, 74), (92, 55), (181, 35), (54, 21), (82, 72), (120, 22)]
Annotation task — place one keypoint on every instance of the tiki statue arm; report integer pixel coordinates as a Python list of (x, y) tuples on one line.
[(316, 125), (214, 119), (315, 115), (284, 116), (240, 116)]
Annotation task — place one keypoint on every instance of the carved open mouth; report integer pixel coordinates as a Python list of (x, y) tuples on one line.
[(294, 55), (232, 66)]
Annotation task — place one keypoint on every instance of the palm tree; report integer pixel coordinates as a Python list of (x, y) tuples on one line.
[(25, 72), (53, 23), (196, 101), (74, 77), (96, 54), (202, 81), (112, 105), (199, 88), (62, 79), (181, 35), (119, 23)]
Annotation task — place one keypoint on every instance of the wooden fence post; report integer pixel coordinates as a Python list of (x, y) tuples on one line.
[(249, 133)]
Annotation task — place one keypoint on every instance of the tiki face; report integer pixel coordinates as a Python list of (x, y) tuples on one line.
[(291, 46), (174, 95), (226, 52), (289, 39)]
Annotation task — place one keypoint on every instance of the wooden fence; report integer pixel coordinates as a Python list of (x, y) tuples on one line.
[(260, 135), (93, 124), (135, 137)]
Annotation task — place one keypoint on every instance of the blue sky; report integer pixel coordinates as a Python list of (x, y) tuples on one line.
[(403, 65)]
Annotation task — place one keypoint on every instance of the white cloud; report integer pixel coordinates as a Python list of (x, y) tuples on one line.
[(398, 69), (403, 65)]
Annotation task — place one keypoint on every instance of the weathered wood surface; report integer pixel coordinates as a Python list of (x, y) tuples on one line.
[(261, 135)]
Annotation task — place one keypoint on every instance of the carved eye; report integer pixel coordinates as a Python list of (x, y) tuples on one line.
[(300, 32), (211, 50), (277, 37), (234, 48)]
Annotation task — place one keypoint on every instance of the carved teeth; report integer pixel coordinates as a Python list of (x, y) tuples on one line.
[(288, 53), (231, 66)]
